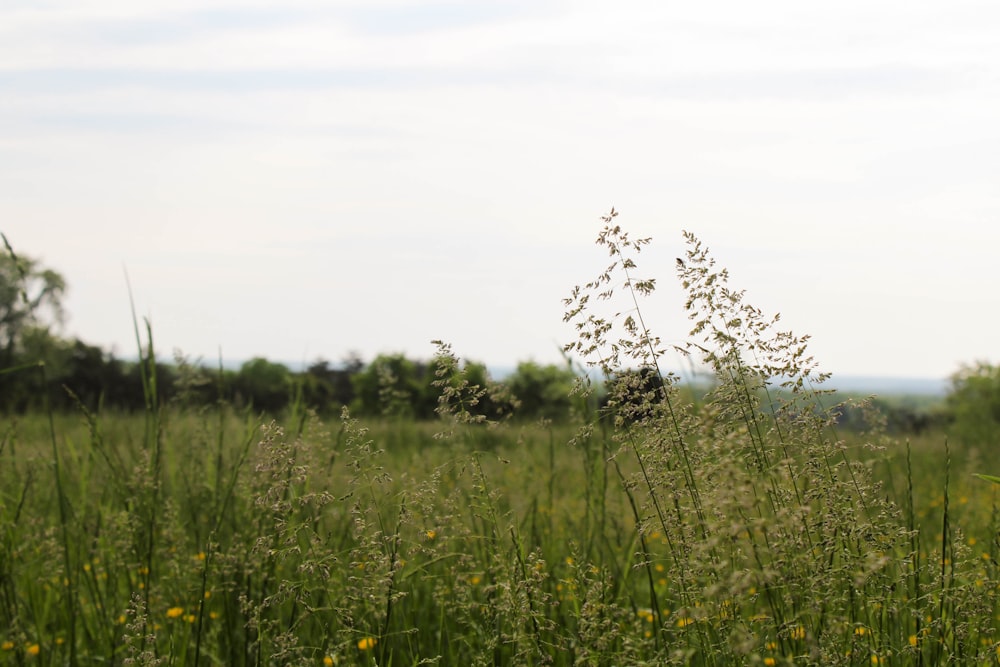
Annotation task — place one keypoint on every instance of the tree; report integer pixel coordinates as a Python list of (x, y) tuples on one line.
[(974, 404), (397, 386), (543, 391), (327, 387), (265, 384), (28, 292)]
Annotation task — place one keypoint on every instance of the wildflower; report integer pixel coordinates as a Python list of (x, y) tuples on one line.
[(860, 631), (913, 640), (798, 632), (367, 644), (34, 649), (474, 580), (200, 555), (7, 645), (327, 661), (431, 534), (684, 621), (175, 612), (190, 618), (770, 662)]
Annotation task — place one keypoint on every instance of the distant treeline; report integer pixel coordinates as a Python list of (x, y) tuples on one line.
[(40, 370), (75, 374), (63, 375)]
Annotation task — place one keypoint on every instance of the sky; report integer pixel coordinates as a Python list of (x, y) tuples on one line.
[(305, 179)]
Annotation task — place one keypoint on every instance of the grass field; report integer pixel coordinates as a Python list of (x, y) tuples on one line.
[(736, 528), (215, 540)]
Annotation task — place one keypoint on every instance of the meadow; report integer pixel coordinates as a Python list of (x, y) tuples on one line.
[(741, 526)]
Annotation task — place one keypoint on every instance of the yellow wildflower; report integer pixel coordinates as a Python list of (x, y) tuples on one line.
[(7, 645), (367, 644), (175, 612), (34, 649)]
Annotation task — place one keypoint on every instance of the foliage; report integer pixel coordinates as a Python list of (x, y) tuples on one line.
[(28, 291), (542, 391), (393, 385), (974, 404), (264, 384)]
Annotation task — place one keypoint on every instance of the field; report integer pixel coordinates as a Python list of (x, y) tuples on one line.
[(740, 526), (210, 539)]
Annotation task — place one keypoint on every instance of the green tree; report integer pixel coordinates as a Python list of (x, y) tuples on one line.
[(543, 391), (397, 386), (264, 384), (974, 404), (28, 293), (326, 387)]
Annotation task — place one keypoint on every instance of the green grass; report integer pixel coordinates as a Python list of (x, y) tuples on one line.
[(738, 528)]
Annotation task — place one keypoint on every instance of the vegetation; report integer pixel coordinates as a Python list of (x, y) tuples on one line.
[(654, 525)]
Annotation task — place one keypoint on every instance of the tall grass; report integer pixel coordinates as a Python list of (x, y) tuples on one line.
[(735, 528)]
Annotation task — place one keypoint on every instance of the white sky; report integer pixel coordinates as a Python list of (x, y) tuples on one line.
[(301, 179)]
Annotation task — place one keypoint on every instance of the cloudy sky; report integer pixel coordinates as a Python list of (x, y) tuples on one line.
[(302, 179)]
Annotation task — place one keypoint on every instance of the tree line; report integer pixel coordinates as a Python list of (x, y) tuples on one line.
[(48, 371), (41, 370)]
